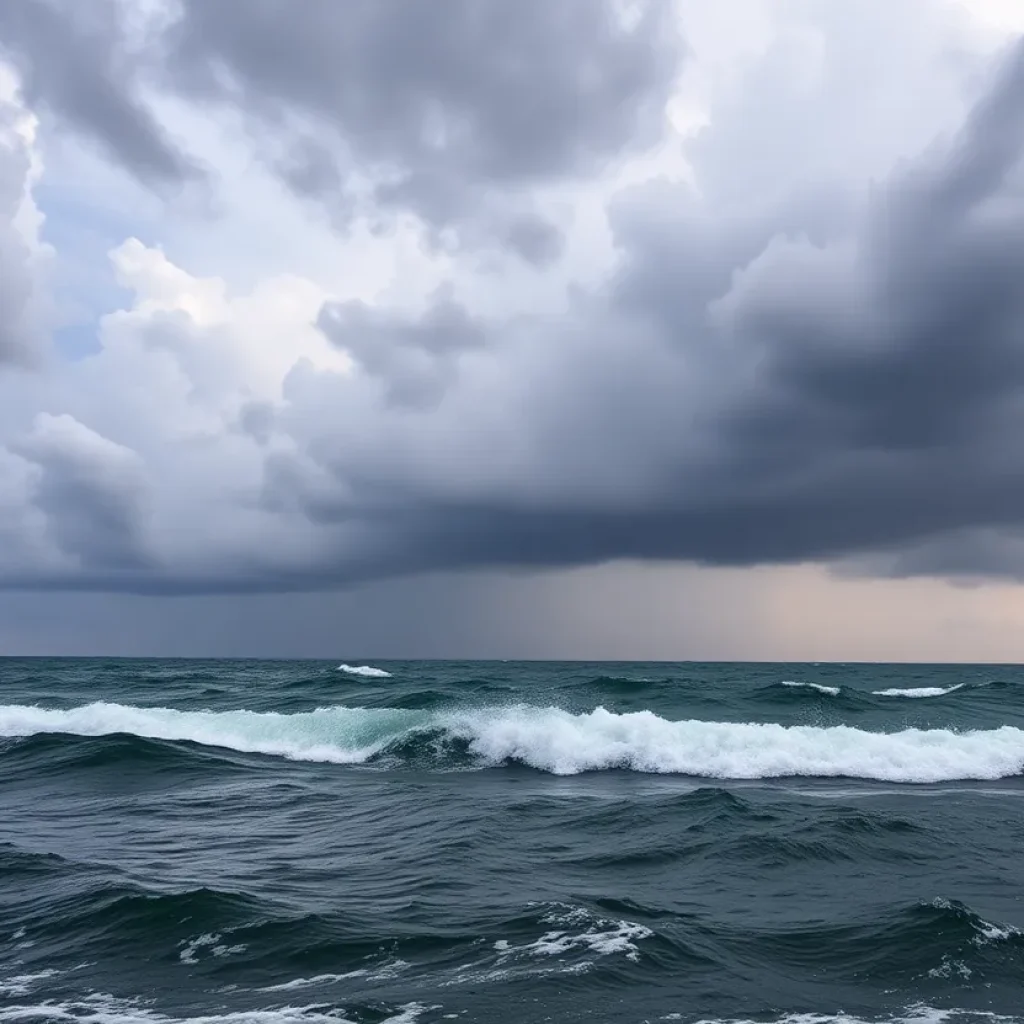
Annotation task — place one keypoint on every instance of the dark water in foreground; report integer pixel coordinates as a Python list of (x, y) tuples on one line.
[(294, 843)]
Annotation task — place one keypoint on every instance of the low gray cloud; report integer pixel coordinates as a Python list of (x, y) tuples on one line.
[(764, 390)]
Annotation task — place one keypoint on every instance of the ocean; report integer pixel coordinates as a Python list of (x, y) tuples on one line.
[(253, 842)]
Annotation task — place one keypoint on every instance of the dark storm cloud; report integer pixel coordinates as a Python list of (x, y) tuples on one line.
[(90, 492), (72, 61), (890, 366), (816, 385), (415, 359)]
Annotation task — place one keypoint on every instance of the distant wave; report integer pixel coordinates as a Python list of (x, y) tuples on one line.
[(557, 741), (835, 691), (364, 670), (919, 691), (832, 691)]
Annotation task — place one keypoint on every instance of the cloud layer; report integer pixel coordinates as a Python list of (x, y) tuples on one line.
[(774, 357)]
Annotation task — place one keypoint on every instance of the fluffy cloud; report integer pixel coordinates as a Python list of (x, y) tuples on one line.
[(793, 356)]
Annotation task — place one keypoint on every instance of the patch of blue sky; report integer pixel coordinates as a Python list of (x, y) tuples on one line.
[(82, 279)]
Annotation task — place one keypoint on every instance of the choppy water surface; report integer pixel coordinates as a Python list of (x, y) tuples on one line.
[(233, 841)]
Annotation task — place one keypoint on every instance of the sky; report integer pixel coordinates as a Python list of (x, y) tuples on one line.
[(595, 329)]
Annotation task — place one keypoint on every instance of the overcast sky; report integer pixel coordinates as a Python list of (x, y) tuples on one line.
[(595, 328)]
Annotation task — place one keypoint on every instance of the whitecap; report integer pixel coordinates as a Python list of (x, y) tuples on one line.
[(917, 691), (580, 931), (832, 691), (364, 670), (20, 984), (208, 941)]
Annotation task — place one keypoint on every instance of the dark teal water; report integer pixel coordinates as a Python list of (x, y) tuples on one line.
[(229, 842)]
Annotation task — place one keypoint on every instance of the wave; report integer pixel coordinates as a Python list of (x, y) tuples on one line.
[(116, 912), (935, 939), (831, 691), (339, 734), (16, 861), (918, 691), (556, 741), (980, 931), (364, 670), (855, 697), (837, 835)]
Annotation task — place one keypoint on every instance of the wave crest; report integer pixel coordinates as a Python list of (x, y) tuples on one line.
[(367, 671), (552, 740), (831, 691), (918, 691)]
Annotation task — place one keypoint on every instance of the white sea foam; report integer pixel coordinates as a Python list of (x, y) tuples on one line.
[(208, 942), (106, 1009), (918, 1014), (832, 691), (918, 691), (619, 937), (560, 742), (579, 931), (387, 972), (318, 979), (364, 670), (950, 968), (988, 932), (563, 743), (20, 984)]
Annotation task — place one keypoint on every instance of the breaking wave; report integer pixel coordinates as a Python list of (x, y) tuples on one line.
[(831, 691), (553, 740), (918, 691), (364, 670)]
